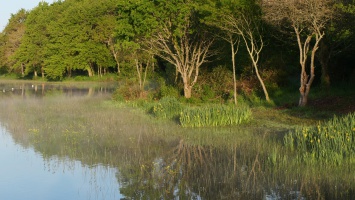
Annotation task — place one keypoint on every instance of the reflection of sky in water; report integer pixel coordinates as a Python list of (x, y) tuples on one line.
[(24, 174)]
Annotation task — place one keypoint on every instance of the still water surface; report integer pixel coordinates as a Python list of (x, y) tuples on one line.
[(25, 174)]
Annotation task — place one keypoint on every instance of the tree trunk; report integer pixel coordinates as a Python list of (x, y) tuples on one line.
[(114, 53), (187, 91), (307, 80), (234, 52), (139, 74), (69, 72), (303, 86), (304, 91), (42, 71), (261, 83), (142, 73), (89, 71), (303, 100)]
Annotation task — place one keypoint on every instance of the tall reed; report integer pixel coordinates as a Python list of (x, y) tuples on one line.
[(167, 108), (214, 115), (329, 142)]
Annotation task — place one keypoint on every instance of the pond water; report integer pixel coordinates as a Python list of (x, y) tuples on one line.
[(26, 174), (61, 141)]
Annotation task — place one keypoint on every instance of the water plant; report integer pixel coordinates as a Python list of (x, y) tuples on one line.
[(214, 115), (330, 142), (167, 108)]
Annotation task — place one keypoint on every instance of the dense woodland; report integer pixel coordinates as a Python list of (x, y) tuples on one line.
[(195, 48)]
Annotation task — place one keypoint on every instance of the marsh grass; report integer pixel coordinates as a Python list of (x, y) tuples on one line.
[(186, 115), (331, 142), (214, 115)]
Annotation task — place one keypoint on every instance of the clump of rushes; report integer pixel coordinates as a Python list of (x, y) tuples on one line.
[(167, 108), (214, 115), (332, 142)]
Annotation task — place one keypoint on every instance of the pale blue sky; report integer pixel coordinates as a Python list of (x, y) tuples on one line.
[(8, 7)]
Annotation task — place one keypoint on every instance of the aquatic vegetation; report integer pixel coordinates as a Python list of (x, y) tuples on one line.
[(331, 142), (214, 115), (167, 108)]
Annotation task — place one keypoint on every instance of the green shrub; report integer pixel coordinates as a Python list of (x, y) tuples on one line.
[(168, 91), (208, 93), (129, 90), (331, 142), (117, 96), (167, 108), (214, 115), (81, 78)]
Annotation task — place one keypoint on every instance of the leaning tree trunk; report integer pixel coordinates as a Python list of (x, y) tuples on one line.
[(89, 70), (262, 83)]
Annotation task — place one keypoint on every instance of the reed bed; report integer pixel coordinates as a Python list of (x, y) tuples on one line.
[(167, 108), (214, 115), (331, 142)]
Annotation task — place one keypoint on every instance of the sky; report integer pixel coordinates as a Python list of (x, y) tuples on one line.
[(8, 7)]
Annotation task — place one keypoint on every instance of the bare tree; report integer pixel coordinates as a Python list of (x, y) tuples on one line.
[(247, 28), (144, 63), (115, 52), (186, 51), (234, 50), (234, 42), (308, 19)]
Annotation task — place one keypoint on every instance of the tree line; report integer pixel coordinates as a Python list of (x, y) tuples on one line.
[(308, 40)]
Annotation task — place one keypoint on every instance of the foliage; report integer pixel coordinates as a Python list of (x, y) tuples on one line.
[(168, 91), (91, 38), (215, 85), (181, 39), (214, 115), (331, 143), (10, 40)]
